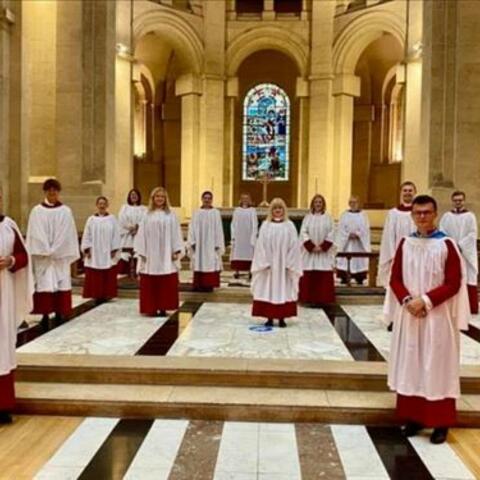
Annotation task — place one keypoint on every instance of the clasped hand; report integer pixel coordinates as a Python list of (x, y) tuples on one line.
[(417, 307), (5, 262)]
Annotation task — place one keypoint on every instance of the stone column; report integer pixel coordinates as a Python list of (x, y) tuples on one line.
[(415, 164), (302, 93), (345, 88), (189, 88), (320, 148), (268, 10), (229, 155)]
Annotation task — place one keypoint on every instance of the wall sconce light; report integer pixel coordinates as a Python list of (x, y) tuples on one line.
[(416, 52), (123, 51)]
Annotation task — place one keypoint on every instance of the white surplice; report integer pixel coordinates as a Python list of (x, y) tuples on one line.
[(277, 263), (318, 228), (52, 241), (425, 352), (462, 227), (358, 224), (16, 293), (206, 242), (128, 217), (398, 224), (244, 231), (159, 237), (101, 236)]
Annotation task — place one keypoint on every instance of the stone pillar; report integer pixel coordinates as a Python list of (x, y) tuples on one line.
[(345, 88), (302, 93), (268, 10), (189, 88), (415, 164), (229, 155), (212, 102), (320, 147)]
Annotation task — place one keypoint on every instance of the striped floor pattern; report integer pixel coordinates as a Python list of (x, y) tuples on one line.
[(101, 448)]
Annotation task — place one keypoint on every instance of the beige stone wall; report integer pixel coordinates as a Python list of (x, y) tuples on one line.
[(72, 105)]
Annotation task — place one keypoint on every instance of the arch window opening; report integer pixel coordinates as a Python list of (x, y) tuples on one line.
[(266, 133)]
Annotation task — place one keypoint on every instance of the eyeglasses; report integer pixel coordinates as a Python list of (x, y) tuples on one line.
[(423, 213)]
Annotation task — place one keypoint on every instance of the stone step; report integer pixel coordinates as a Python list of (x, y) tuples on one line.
[(219, 403), (215, 372)]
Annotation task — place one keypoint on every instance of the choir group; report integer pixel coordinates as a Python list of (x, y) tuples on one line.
[(426, 272)]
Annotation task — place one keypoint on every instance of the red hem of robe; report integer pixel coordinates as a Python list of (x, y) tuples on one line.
[(473, 298), (158, 292), (123, 266), (7, 392), (274, 310), (100, 283), (241, 265), (206, 279), (317, 287), (45, 303), (428, 413)]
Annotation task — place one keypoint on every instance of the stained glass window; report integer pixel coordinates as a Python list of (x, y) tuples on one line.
[(266, 132)]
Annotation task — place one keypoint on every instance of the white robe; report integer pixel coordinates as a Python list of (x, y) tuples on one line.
[(277, 263), (159, 237), (318, 228), (128, 217), (244, 231), (16, 291), (424, 353), (52, 241), (398, 224), (357, 223), (462, 227), (206, 243), (101, 236)]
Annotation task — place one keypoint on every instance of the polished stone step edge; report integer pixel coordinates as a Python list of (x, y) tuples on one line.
[(371, 408), (326, 375)]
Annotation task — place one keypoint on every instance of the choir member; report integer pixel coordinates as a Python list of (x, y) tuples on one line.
[(244, 230), (16, 290), (428, 302), (353, 235), (100, 244), (52, 241), (159, 246), (276, 267), (206, 245), (129, 218), (398, 224), (318, 254), (461, 225)]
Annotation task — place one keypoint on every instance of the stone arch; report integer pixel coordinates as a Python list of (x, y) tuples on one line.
[(176, 31), (357, 35), (267, 38)]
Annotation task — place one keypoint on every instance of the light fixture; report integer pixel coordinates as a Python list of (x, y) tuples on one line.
[(123, 51), (416, 52)]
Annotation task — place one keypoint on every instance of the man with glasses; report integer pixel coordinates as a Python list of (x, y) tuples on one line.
[(427, 301), (461, 225)]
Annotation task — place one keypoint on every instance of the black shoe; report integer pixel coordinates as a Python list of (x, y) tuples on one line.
[(411, 429), (59, 319), (439, 435), (5, 418), (269, 323), (23, 325), (281, 323), (163, 313), (390, 327), (236, 275)]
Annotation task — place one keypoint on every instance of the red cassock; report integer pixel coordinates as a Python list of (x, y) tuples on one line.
[(317, 286), (417, 408), (101, 284), (158, 292), (7, 388)]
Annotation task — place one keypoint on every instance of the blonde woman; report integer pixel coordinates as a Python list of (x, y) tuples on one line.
[(244, 231), (276, 267), (100, 245), (318, 254), (158, 246)]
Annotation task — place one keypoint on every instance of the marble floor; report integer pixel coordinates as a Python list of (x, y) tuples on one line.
[(351, 332), (161, 449)]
